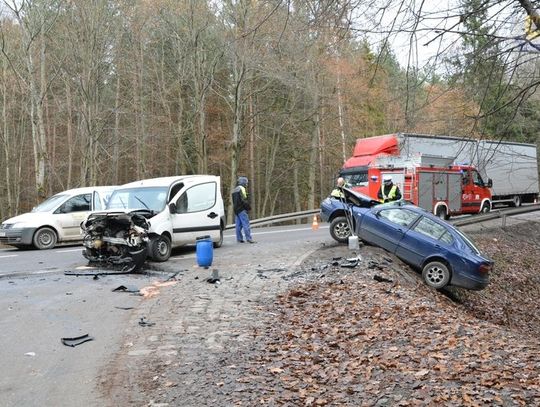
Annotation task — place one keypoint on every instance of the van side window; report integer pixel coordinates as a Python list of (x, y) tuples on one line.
[(197, 198), (79, 203)]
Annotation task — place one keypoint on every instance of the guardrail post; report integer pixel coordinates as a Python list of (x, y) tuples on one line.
[(504, 220)]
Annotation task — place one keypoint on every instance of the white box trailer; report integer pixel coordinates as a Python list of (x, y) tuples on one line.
[(513, 167)]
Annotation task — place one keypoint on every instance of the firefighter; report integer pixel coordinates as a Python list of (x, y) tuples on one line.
[(388, 192), (337, 192)]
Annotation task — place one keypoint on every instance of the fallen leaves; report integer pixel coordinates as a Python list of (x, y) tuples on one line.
[(358, 343)]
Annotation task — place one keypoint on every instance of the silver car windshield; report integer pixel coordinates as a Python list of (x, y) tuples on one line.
[(151, 198), (50, 204)]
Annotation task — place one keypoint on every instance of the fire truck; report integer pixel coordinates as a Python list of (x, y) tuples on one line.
[(434, 183), (513, 167)]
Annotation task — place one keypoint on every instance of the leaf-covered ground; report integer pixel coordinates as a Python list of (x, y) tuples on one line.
[(372, 334), (344, 337)]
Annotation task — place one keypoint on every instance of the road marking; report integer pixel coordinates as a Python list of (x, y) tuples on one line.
[(11, 255), (67, 251), (189, 256)]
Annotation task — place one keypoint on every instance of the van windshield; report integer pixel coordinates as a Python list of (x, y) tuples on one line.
[(50, 204), (151, 198)]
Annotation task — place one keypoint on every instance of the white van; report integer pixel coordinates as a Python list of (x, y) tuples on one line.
[(57, 219), (180, 208)]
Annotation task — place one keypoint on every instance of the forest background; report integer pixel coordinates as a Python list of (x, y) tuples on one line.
[(104, 92)]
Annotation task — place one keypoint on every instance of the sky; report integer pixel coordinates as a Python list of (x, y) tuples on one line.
[(419, 43)]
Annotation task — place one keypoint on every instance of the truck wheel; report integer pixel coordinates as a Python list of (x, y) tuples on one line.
[(340, 230), (161, 248), (485, 208), (44, 238), (436, 274), (516, 201), (441, 213)]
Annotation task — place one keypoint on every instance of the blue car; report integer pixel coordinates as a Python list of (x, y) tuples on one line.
[(444, 254)]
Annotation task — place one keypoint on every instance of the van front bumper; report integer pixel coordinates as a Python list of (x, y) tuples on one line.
[(17, 237)]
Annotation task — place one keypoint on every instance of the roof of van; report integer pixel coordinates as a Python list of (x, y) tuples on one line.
[(83, 190), (166, 181)]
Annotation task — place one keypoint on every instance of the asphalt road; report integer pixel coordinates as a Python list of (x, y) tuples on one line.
[(40, 305)]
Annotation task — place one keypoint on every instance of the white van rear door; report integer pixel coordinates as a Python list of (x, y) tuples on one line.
[(197, 213)]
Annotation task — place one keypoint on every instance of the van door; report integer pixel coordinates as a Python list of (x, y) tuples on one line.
[(197, 213), (70, 214)]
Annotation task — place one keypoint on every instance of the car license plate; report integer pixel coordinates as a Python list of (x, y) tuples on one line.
[(2, 234)]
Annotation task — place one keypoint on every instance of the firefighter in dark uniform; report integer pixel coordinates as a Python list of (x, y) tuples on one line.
[(388, 192)]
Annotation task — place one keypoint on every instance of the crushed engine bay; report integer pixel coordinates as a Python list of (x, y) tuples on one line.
[(117, 240)]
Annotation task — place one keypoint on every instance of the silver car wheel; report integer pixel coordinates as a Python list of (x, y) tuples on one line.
[(45, 238), (340, 230), (436, 274)]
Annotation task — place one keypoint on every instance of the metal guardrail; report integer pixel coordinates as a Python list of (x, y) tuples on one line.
[(280, 218), (495, 214)]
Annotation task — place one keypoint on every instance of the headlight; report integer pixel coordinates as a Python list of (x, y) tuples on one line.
[(19, 225)]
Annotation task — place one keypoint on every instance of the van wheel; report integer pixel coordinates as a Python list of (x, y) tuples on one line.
[(340, 230), (436, 274), (516, 201), (485, 208), (220, 241), (44, 238), (161, 248)]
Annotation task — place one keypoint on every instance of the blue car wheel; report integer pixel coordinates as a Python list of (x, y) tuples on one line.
[(436, 274)]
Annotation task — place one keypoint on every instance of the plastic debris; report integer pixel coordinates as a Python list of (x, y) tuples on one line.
[(144, 322), (126, 289), (214, 278), (78, 340)]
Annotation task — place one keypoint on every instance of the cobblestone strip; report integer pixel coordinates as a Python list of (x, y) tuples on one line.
[(194, 323)]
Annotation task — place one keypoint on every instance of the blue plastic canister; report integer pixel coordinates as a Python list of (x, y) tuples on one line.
[(205, 251)]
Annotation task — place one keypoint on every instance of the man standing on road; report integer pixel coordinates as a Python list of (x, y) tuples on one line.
[(241, 207), (388, 192)]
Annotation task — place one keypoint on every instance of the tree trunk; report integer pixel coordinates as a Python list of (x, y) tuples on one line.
[(238, 80), (312, 166), (7, 207)]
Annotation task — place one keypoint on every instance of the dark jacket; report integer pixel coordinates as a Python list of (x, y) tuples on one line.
[(240, 200)]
